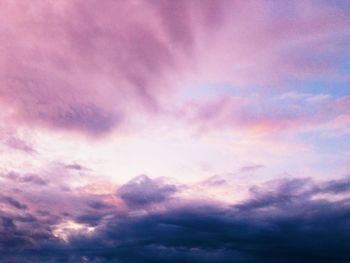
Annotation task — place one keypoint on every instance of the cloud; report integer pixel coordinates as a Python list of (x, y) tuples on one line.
[(18, 144), (263, 115), (281, 221), (13, 202), (14, 141), (52, 78), (142, 191), (250, 168), (26, 178), (75, 166), (336, 186), (93, 67), (79, 66)]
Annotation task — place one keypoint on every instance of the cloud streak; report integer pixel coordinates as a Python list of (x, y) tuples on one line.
[(76, 65)]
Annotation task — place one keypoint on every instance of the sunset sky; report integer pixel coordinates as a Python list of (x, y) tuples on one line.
[(175, 131)]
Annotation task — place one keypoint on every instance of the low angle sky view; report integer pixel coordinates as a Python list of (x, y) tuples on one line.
[(175, 131)]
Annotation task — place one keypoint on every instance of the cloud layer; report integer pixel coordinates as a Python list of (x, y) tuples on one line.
[(91, 67), (215, 96), (284, 220)]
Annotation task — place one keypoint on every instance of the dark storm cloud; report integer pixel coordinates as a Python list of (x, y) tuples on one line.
[(282, 221), (18, 232), (278, 194), (337, 186)]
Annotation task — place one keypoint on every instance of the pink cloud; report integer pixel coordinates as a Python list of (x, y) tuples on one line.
[(14, 141), (265, 115), (92, 66), (259, 46), (82, 64)]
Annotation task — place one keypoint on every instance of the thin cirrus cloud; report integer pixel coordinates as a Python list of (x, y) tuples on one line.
[(76, 65), (14, 141), (261, 114)]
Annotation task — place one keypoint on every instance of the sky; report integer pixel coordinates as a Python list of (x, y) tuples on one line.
[(174, 131)]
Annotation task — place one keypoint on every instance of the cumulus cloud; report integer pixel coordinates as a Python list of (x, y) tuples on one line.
[(142, 191), (282, 221)]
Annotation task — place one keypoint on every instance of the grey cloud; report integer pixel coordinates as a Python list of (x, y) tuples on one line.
[(143, 191), (280, 222)]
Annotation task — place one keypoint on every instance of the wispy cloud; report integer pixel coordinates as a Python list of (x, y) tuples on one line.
[(78, 66)]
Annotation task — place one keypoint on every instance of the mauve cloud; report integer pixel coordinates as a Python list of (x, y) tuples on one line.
[(261, 114), (143, 191), (92, 66), (10, 139), (81, 64), (25, 178), (285, 220)]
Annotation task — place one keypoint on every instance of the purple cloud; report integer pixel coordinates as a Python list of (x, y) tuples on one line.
[(91, 67), (281, 221), (142, 191)]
